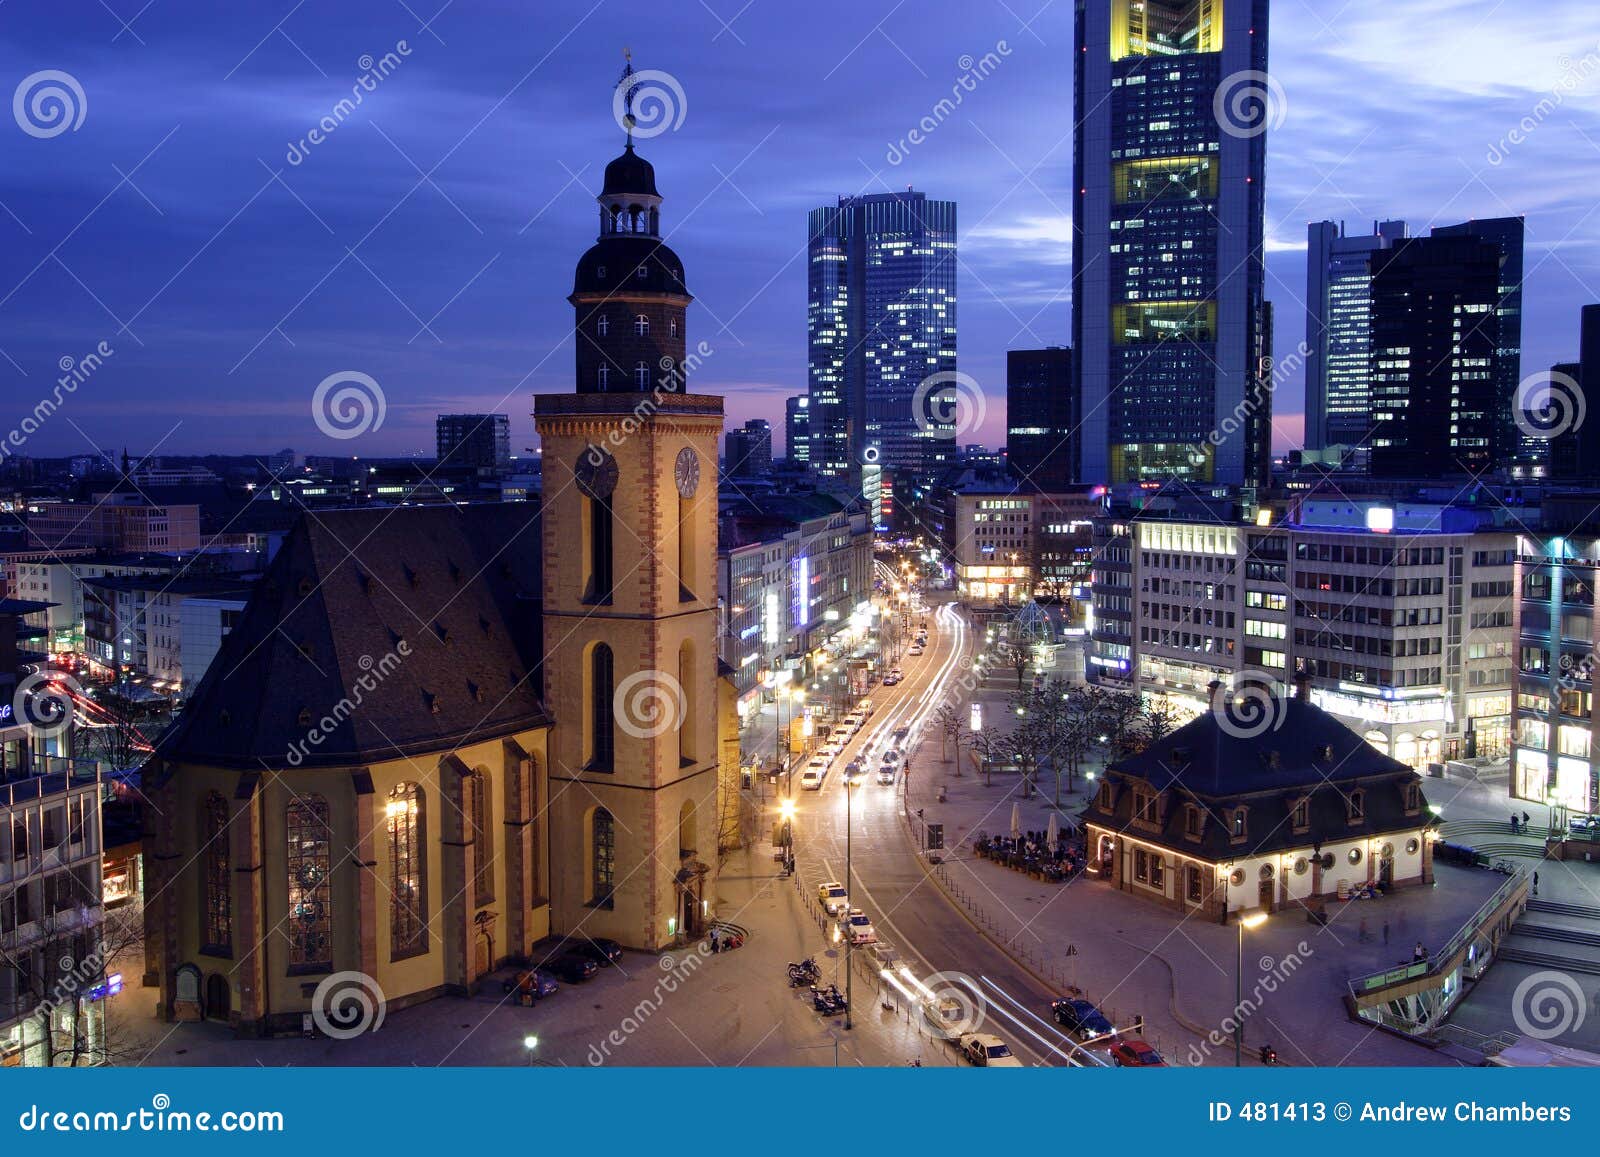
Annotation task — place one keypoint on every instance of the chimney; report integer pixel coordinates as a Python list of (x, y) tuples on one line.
[(1302, 686)]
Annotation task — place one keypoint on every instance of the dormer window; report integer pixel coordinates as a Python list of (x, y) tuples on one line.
[(1239, 815), (641, 375), (1413, 798), (643, 272), (1300, 818), (1144, 806), (1193, 821), (602, 376), (1102, 799), (603, 325), (1358, 806)]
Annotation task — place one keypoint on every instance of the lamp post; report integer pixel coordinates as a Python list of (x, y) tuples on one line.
[(529, 1044), (1244, 920), (849, 939)]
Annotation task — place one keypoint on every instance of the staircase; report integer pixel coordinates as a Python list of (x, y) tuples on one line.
[(1547, 960), (1494, 838)]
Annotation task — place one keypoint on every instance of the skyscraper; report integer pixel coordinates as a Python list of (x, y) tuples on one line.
[(1339, 331), (747, 451), (1506, 233), (1573, 433), (1435, 332), (479, 441), (880, 321), (1167, 270), (797, 428), (1041, 428)]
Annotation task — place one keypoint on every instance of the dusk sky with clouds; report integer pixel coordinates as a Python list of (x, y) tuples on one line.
[(429, 240)]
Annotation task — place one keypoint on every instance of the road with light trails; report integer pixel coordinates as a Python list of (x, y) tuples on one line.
[(906, 908)]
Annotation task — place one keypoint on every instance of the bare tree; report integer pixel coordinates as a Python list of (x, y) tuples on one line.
[(989, 745), (1157, 720)]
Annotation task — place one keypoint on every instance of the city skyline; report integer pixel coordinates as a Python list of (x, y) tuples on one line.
[(217, 286)]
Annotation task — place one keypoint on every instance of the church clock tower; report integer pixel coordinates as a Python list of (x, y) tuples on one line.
[(630, 591)]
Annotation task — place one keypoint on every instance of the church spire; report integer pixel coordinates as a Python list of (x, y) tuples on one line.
[(631, 89)]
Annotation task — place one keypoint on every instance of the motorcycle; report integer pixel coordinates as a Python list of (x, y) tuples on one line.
[(1269, 1055), (806, 972), (828, 1001)]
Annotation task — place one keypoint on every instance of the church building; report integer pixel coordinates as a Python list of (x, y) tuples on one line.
[(440, 735)]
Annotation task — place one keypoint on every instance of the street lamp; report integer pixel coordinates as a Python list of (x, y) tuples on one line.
[(786, 814), (529, 1043), (849, 940), (1252, 919)]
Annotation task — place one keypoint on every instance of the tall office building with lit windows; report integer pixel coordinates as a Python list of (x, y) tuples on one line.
[(1339, 271), (1169, 316), (880, 320)]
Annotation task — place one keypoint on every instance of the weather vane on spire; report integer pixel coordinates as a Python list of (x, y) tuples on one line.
[(627, 97)]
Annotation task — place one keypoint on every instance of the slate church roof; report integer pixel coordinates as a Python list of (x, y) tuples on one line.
[(408, 630)]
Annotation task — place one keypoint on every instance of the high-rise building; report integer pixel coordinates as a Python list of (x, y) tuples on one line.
[(1435, 333), (881, 321), (1167, 239), (1339, 331), (1574, 433), (1041, 426), (747, 451), (1506, 233), (797, 428), (474, 441)]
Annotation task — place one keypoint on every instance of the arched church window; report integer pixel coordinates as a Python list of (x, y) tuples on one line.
[(408, 871), (603, 858), (310, 865), (641, 326)]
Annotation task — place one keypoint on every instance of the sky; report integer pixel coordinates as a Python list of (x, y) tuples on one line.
[(183, 226)]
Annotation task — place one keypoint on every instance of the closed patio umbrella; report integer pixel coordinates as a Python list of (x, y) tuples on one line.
[(1053, 834), (1016, 821)]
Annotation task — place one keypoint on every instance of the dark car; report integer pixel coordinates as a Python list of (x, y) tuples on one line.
[(595, 948), (1080, 1018), (571, 966)]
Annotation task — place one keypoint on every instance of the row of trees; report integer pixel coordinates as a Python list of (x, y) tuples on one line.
[(1054, 727)]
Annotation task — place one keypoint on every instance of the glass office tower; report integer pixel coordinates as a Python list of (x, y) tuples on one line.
[(1167, 271), (880, 320)]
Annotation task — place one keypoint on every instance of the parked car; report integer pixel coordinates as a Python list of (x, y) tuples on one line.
[(857, 928), (597, 948), (811, 780), (987, 1051), (891, 678), (833, 898), (571, 966), (944, 1015), (1080, 1018), (1136, 1054), (864, 707)]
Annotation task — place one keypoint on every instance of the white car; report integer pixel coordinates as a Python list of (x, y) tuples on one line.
[(856, 928), (833, 897), (915, 651), (886, 775), (864, 708), (944, 1015), (987, 1051), (829, 751), (810, 780)]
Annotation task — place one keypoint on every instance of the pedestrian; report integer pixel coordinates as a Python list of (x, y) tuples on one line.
[(713, 939), (1525, 821), (1536, 883), (1361, 932), (1386, 931), (1421, 953), (1513, 822)]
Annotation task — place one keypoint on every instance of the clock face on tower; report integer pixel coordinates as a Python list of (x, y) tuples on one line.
[(687, 472), (596, 473)]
